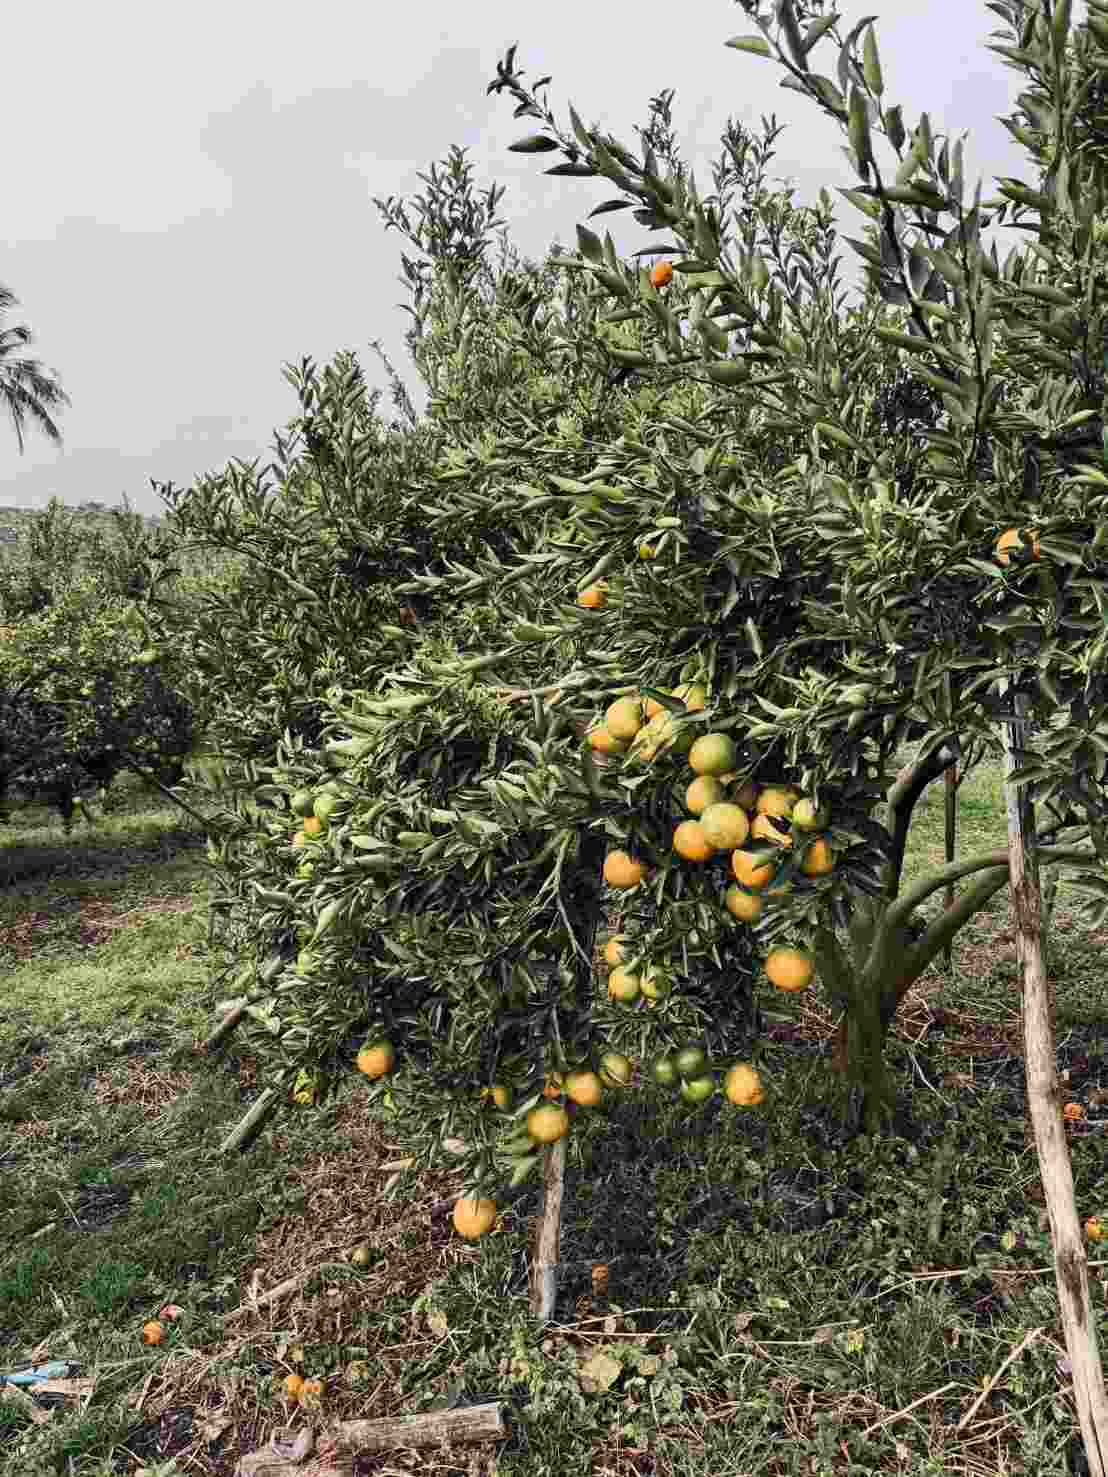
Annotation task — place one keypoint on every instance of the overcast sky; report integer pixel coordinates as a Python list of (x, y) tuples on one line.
[(188, 198)]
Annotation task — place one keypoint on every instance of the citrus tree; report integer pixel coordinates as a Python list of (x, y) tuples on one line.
[(969, 604)]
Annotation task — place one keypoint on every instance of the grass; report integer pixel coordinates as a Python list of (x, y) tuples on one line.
[(780, 1300)]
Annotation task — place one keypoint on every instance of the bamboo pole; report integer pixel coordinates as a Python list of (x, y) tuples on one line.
[(1045, 1104)]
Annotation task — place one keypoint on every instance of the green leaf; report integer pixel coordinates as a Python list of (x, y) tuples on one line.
[(755, 45), (858, 129), (536, 143), (871, 65), (589, 245)]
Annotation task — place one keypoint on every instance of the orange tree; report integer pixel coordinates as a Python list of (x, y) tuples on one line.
[(935, 615)]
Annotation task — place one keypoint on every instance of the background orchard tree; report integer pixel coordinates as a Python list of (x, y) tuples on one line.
[(887, 551)]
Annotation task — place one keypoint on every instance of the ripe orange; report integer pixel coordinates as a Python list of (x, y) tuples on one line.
[(553, 1085), (293, 1385), (806, 817), (623, 986), (1011, 539), (1073, 1111), (1094, 1229), (314, 826), (652, 707), (790, 969), (615, 1069), (499, 1094), (472, 1218), (749, 874), (310, 1392), (622, 870), (603, 741), (743, 1086), (776, 800), (690, 842), (547, 1123), (661, 274), (614, 950), (624, 718), (763, 829), (742, 905), (594, 598), (819, 859), (713, 753), (152, 1332), (376, 1059), (725, 826), (584, 1087), (705, 791)]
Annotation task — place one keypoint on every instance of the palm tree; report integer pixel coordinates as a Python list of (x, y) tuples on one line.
[(23, 385)]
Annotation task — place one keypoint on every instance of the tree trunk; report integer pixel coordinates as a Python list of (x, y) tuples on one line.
[(1045, 1106)]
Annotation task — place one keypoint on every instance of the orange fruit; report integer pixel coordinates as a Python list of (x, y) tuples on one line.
[(500, 1095), (547, 1123), (584, 1087), (671, 735), (743, 1086), (713, 753), (1094, 1229), (661, 274), (725, 826), (152, 1332), (293, 1385), (748, 873), (819, 859), (299, 840), (614, 951), (652, 708), (594, 598), (790, 969), (553, 1085), (1073, 1111), (376, 1059), (806, 817), (623, 986), (690, 842), (472, 1218), (622, 870), (615, 1069), (603, 741), (705, 791), (314, 826), (624, 718), (776, 800), (742, 905), (1011, 539), (763, 829)]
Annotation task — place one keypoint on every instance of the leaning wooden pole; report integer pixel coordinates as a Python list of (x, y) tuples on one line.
[(1045, 1107)]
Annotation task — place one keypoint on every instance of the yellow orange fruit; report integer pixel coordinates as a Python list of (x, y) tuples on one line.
[(713, 753), (790, 969), (584, 1087), (763, 829), (806, 817), (647, 551), (624, 718), (623, 986), (690, 842), (472, 1218), (743, 1086), (499, 1094), (725, 826), (553, 1085), (594, 598), (314, 826), (615, 951), (705, 791), (547, 1123), (744, 906), (376, 1059), (819, 859), (1012, 539), (661, 274), (293, 1385), (748, 873), (652, 708), (776, 800), (152, 1332), (1094, 1229), (622, 870), (603, 741), (310, 1392), (1073, 1111)]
